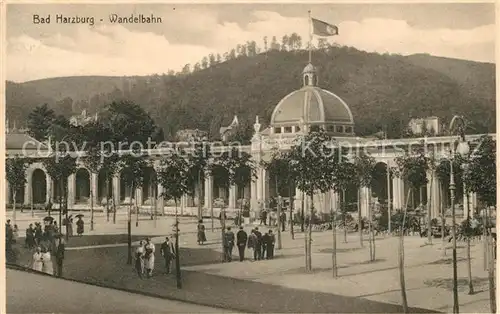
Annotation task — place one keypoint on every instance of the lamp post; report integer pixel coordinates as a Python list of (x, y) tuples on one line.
[(462, 149)]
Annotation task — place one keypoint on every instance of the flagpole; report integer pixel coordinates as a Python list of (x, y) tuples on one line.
[(310, 36)]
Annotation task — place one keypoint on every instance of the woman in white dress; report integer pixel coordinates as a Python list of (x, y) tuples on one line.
[(139, 259), (47, 263), (37, 259), (149, 257)]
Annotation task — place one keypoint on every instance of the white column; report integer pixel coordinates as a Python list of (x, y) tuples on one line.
[(253, 196), (50, 187), (209, 181), (298, 199), (398, 193), (116, 188), (71, 189), (160, 204), (95, 188), (27, 187), (265, 186), (334, 201), (232, 196), (138, 196), (364, 201)]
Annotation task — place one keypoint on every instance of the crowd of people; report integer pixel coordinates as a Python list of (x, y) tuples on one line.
[(145, 257), (262, 245)]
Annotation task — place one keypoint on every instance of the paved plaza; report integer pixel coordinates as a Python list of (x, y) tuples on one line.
[(428, 276)]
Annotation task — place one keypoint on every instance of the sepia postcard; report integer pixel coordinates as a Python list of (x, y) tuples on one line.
[(249, 157)]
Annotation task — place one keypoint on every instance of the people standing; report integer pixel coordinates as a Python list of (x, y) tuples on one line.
[(30, 237), (38, 259), (228, 245), (241, 242), (79, 226), (283, 220), (271, 240), (149, 257), (265, 242), (59, 254), (168, 252), (263, 217), (38, 233), (202, 238), (258, 243), (139, 259), (252, 240), (48, 267)]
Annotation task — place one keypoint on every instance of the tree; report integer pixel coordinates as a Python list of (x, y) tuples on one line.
[(39, 122), (234, 169), (365, 165), (198, 165), (284, 42), (128, 123), (15, 170), (133, 167), (314, 165), (174, 177), (480, 177), (412, 167), (279, 168), (346, 177), (186, 69), (59, 167)]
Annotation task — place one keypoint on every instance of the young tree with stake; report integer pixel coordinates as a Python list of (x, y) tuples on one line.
[(174, 177), (15, 169)]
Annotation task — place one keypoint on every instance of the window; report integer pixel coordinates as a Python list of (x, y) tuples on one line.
[(288, 129), (315, 128), (277, 130), (297, 128), (339, 129), (348, 129), (331, 128)]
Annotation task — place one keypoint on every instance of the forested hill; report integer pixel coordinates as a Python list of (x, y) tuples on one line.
[(383, 91)]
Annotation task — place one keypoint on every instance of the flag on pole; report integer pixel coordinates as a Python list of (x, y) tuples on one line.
[(321, 28)]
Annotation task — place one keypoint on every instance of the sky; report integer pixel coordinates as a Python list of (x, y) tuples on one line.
[(189, 32)]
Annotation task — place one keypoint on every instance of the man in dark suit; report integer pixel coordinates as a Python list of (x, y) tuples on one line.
[(258, 244), (228, 245), (241, 242), (168, 252), (270, 240), (59, 254)]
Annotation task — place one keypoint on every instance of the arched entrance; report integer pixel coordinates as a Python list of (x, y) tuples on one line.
[(82, 190), (39, 186), (148, 186), (379, 184), (101, 188), (125, 191)]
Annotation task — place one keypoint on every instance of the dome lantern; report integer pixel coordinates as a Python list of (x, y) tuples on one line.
[(310, 77)]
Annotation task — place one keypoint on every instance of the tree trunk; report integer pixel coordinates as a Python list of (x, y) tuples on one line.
[(344, 214), (485, 238), (134, 192), (302, 213), (334, 238), (91, 206), (14, 194), (360, 219), (372, 233), (66, 208), (401, 259), (113, 202), (292, 203), (107, 198), (223, 227), (200, 207), (177, 252), (491, 278), (309, 240), (279, 223), (61, 196), (129, 230), (370, 229), (469, 266)]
